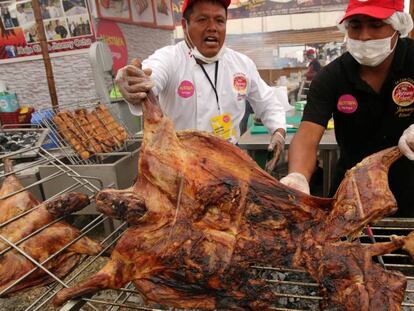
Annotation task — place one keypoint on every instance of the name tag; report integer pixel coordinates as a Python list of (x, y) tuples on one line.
[(222, 126)]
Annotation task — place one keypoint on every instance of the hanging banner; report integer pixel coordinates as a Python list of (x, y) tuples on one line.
[(67, 25), (114, 38), (147, 13), (258, 8)]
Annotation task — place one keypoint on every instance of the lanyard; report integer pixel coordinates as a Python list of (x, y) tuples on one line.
[(214, 86)]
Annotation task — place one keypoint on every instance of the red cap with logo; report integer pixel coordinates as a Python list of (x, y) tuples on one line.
[(187, 3), (381, 9)]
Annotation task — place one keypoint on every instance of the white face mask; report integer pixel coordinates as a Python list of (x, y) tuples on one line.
[(371, 52), (197, 54)]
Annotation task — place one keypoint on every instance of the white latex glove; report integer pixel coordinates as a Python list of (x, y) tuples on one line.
[(406, 142), (134, 83), (297, 181), (277, 144)]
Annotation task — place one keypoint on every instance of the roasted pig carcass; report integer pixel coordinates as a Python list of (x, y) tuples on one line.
[(42, 245), (201, 212)]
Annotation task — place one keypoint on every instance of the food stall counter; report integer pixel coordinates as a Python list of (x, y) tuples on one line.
[(328, 150)]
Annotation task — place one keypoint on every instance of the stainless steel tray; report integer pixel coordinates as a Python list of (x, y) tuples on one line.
[(33, 150)]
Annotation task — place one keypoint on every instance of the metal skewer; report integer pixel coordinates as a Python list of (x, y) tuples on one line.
[(370, 234)]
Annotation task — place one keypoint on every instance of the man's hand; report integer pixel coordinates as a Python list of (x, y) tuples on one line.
[(406, 142), (277, 144), (297, 181), (134, 83)]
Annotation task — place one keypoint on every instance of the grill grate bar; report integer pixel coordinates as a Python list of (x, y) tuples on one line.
[(299, 296), (30, 235), (282, 269), (32, 260), (284, 309), (50, 177), (124, 305), (90, 186), (70, 188), (84, 267), (125, 299), (293, 283), (41, 161), (40, 265)]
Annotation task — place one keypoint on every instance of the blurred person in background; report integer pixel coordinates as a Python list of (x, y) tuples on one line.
[(314, 65), (369, 91), (204, 85)]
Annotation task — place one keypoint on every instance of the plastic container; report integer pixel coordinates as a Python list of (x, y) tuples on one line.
[(14, 119), (8, 102), (51, 140), (300, 105)]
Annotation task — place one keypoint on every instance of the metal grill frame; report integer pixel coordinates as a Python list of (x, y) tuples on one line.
[(126, 293), (79, 182), (124, 296), (67, 149)]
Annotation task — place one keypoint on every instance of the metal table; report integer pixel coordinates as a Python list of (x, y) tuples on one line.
[(328, 149)]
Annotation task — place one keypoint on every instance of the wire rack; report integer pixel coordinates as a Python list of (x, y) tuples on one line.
[(26, 172), (87, 133), (295, 289)]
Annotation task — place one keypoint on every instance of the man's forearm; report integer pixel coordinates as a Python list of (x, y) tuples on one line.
[(302, 156)]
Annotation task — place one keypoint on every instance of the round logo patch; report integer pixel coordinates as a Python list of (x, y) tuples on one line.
[(347, 103), (240, 83), (185, 89), (403, 94)]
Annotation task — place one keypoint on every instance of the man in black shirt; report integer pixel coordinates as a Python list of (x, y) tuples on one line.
[(369, 91)]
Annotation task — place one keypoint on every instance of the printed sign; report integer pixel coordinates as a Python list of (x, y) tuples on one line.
[(150, 13), (257, 8), (113, 36), (67, 27)]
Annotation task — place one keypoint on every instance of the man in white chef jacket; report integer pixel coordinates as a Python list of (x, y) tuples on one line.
[(201, 84)]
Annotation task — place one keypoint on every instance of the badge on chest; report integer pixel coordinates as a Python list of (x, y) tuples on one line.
[(403, 97), (347, 104)]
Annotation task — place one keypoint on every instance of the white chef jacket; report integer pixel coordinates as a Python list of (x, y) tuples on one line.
[(188, 98)]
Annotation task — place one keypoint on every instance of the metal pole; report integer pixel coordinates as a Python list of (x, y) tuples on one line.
[(412, 15), (45, 53)]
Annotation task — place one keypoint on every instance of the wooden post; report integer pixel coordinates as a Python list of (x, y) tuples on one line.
[(412, 15), (45, 53)]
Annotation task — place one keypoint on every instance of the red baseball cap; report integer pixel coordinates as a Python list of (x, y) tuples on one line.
[(187, 3), (310, 52), (381, 9)]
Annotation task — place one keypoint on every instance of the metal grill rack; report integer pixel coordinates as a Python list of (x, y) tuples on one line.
[(296, 290), (36, 298), (47, 115)]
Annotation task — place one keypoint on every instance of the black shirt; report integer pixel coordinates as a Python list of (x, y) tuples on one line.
[(366, 121)]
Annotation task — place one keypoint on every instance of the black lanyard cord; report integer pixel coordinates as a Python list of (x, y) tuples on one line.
[(214, 86)]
